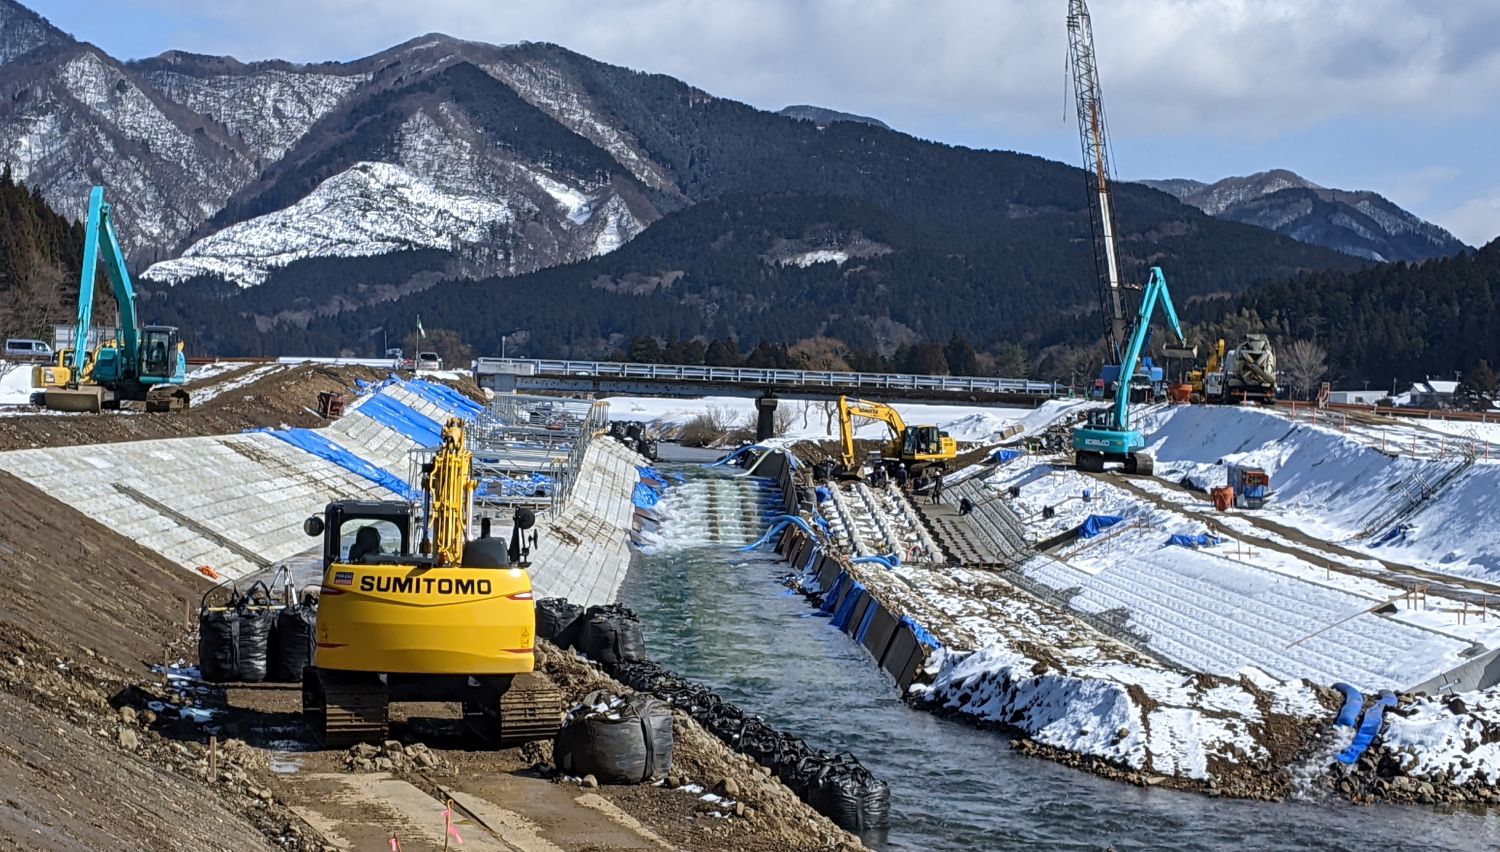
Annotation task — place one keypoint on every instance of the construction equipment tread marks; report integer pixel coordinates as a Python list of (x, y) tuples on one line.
[(529, 707), (345, 708)]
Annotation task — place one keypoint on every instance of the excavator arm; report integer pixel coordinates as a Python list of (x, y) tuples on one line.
[(451, 489), (1156, 291), (100, 236), (852, 408)]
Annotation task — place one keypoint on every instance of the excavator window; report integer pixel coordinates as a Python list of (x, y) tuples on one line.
[(154, 343), (364, 537)]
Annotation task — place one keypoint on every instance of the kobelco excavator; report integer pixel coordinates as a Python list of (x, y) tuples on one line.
[(413, 609), (914, 446)]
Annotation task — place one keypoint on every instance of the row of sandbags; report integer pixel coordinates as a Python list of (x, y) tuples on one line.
[(251, 638), (616, 739), (609, 634), (632, 433), (836, 785)]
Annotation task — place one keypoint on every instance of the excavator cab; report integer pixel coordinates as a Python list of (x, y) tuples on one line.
[(343, 524), (922, 441)]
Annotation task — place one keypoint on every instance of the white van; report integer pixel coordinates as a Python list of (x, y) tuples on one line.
[(26, 349)]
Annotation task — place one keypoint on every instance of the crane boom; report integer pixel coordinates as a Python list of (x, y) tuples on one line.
[(1097, 175)]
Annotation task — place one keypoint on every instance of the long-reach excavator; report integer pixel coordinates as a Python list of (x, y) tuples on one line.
[(444, 618), (1113, 379), (142, 364), (913, 446), (1108, 435)]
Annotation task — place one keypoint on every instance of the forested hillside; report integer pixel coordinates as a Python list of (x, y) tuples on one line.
[(40, 254), (1401, 321)]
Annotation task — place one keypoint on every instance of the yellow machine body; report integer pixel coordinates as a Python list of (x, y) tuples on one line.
[(910, 445), (422, 620)]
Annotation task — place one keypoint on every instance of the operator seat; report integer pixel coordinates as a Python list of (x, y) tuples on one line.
[(366, 543)]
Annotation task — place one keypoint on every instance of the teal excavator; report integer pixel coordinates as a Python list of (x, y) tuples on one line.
[(1108, 435), (141, 363)]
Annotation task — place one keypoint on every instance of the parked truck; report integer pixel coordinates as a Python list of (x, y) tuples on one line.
[(1250, 371)]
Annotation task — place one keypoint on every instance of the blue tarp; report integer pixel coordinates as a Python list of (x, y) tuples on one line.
[(864, 624), (1369, 728), (833, 594), (1097, 524), (824, 493), (823, 522), (1353, 702), (444, 397), (404, 419), (921, 633), (846, 609), (645, 496), (888, 561), (1200, 540), (1003, 456), (312, 442), (651, 474)]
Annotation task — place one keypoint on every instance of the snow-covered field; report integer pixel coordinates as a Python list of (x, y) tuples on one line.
[(819, 420), (15, 384)]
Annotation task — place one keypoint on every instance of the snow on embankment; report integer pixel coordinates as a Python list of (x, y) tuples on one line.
[(1333, 486), (15, 385)]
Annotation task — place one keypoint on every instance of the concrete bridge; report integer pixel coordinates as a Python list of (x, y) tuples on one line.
[(516, 375)]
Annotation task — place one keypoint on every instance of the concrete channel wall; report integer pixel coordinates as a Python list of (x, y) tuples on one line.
[(896, 644), (232, 506)]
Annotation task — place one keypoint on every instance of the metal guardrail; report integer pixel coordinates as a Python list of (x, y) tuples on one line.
[(758, 376)]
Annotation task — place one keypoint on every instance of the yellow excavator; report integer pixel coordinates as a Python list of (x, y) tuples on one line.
[(445, 618), (914, 446), (1210, 374)]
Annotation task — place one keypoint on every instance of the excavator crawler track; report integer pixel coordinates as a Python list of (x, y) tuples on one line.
[(530, 708), (343, 708)]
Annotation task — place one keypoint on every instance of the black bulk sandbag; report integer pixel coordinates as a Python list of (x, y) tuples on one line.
[(616, 740), (293, 641), (849, 795), (234, 640), (558, 620), (823, 471), (649, 449), (611, 634)]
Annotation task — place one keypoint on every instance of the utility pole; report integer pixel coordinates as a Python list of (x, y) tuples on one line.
[(502, 346)]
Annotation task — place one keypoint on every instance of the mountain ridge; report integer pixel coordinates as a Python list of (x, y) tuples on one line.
[(1356, 222)]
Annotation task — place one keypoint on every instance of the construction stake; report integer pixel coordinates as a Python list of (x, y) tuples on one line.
[(213, 759)]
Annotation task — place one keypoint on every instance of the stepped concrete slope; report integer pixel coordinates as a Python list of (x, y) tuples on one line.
[(236, 503)]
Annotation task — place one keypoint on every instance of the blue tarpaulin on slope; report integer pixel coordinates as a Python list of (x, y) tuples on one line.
[(444, 397), (1003, 456), (645, 496), (1097, 524), (1200, 540), (404, 419), (651, 474), (824, 493), (312, 442), (921, 633)]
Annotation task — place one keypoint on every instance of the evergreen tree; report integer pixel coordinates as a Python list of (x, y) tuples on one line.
[(722, 353), (962, 359)]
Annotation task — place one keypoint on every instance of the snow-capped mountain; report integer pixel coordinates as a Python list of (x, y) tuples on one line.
[(1359, 223)]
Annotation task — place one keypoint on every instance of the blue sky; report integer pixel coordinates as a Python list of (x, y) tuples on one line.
[(1397, 96)]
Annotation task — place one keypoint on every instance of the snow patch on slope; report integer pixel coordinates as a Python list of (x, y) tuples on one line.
[(808, 258), (371, 209)]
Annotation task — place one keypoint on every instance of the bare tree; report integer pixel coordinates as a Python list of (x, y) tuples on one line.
[(1303, 364)]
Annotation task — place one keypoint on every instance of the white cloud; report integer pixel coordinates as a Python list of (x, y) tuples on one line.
[(1247, 67), (1476, 221)]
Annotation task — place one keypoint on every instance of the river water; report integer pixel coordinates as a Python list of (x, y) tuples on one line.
[(722, 617)]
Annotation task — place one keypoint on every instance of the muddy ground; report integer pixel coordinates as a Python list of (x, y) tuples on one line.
[(285, 396)]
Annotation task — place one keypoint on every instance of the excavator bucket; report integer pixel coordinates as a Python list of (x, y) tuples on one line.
[(86, 398)]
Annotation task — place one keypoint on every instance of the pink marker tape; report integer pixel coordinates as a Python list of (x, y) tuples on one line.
[(452, 829)]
